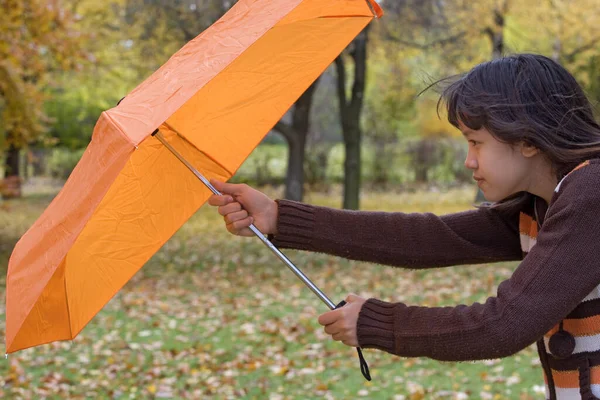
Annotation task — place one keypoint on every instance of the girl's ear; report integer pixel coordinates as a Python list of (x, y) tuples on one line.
[(528, 150)]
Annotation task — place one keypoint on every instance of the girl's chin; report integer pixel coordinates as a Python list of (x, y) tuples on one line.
[(493, 198), (489, 195), (492, 195)]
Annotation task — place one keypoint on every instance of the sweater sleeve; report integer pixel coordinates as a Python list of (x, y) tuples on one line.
[(410, 240), (559, 272)]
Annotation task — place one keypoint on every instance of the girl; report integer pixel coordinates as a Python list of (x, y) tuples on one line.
[(533, 150)]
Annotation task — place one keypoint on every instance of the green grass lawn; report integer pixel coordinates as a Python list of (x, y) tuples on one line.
[(216, 316)]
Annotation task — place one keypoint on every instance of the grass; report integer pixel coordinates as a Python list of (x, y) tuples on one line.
[(217, 316)]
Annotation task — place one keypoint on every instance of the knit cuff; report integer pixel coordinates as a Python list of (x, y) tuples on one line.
[(295, 225), (375, 326)]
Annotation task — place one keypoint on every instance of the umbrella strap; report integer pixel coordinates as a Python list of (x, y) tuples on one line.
[(364, 367)]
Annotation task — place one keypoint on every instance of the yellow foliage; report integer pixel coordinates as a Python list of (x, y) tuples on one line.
[(441, 39), (36, 38), (429, 124), (19, 115)]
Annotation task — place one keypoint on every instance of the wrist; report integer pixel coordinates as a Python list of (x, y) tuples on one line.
[(275, 217)]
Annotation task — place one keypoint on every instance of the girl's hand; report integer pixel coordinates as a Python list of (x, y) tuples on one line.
[(240, 205), (341, 323)]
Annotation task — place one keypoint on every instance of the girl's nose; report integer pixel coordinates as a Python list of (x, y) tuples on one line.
[(471, 161)]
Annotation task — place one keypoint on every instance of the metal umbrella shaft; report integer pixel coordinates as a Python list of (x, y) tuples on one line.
[(253, 228)]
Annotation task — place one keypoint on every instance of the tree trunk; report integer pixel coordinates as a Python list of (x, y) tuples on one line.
[(11, 187), (424, 158), (12, 161), (352, 170), (350, 111), (497, 36), (295, 135), (294, 179), (556, 49)]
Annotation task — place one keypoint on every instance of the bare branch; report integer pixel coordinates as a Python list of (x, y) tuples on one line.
[(570, 56), (285, 129), (341, 82)]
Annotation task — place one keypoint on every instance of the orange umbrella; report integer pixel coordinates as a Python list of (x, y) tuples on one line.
[(212, 103)]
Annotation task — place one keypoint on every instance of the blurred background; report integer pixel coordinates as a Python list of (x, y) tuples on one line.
[(194, 323)]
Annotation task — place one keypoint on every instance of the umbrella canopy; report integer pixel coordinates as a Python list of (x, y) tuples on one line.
[(214, 101)]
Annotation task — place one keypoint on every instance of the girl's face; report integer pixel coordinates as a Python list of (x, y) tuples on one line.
[(500, 169)]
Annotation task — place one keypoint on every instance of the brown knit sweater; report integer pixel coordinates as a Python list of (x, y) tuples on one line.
[(553, 280)]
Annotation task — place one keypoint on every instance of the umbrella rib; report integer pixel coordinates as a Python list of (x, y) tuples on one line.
[(191, 144), (67, 303)]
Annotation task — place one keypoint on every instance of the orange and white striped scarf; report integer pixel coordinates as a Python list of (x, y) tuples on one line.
[(578, 333)]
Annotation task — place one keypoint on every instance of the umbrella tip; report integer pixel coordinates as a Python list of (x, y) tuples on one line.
[(375, 8)]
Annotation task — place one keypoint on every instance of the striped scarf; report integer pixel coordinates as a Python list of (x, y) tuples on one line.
[(570, 351)]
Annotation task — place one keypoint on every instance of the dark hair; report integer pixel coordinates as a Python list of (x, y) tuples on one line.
[(527, 98)]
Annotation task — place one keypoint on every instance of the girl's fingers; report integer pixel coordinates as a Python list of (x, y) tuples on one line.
[(333, 329), (230, 218), (219, 200), (240, 227), (229, 208), (346, 336), (245, 232)]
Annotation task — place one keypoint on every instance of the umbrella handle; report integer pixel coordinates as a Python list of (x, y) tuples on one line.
[(364, 367)]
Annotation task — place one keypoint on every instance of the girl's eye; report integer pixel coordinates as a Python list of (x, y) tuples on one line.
[(473, 142)]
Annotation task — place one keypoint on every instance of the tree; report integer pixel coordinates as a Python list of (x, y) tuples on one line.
[(495, 28), (111, 69), (432, 128), (295, 134), (570, 32), (389, 105), (448, 27), (163, 26), (36, 39), (128, 40), (325, 131), (350, 113), (19, 117)]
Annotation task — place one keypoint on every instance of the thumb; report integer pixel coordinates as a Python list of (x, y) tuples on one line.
[(227, 188), (329, 317), (351, 297)]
